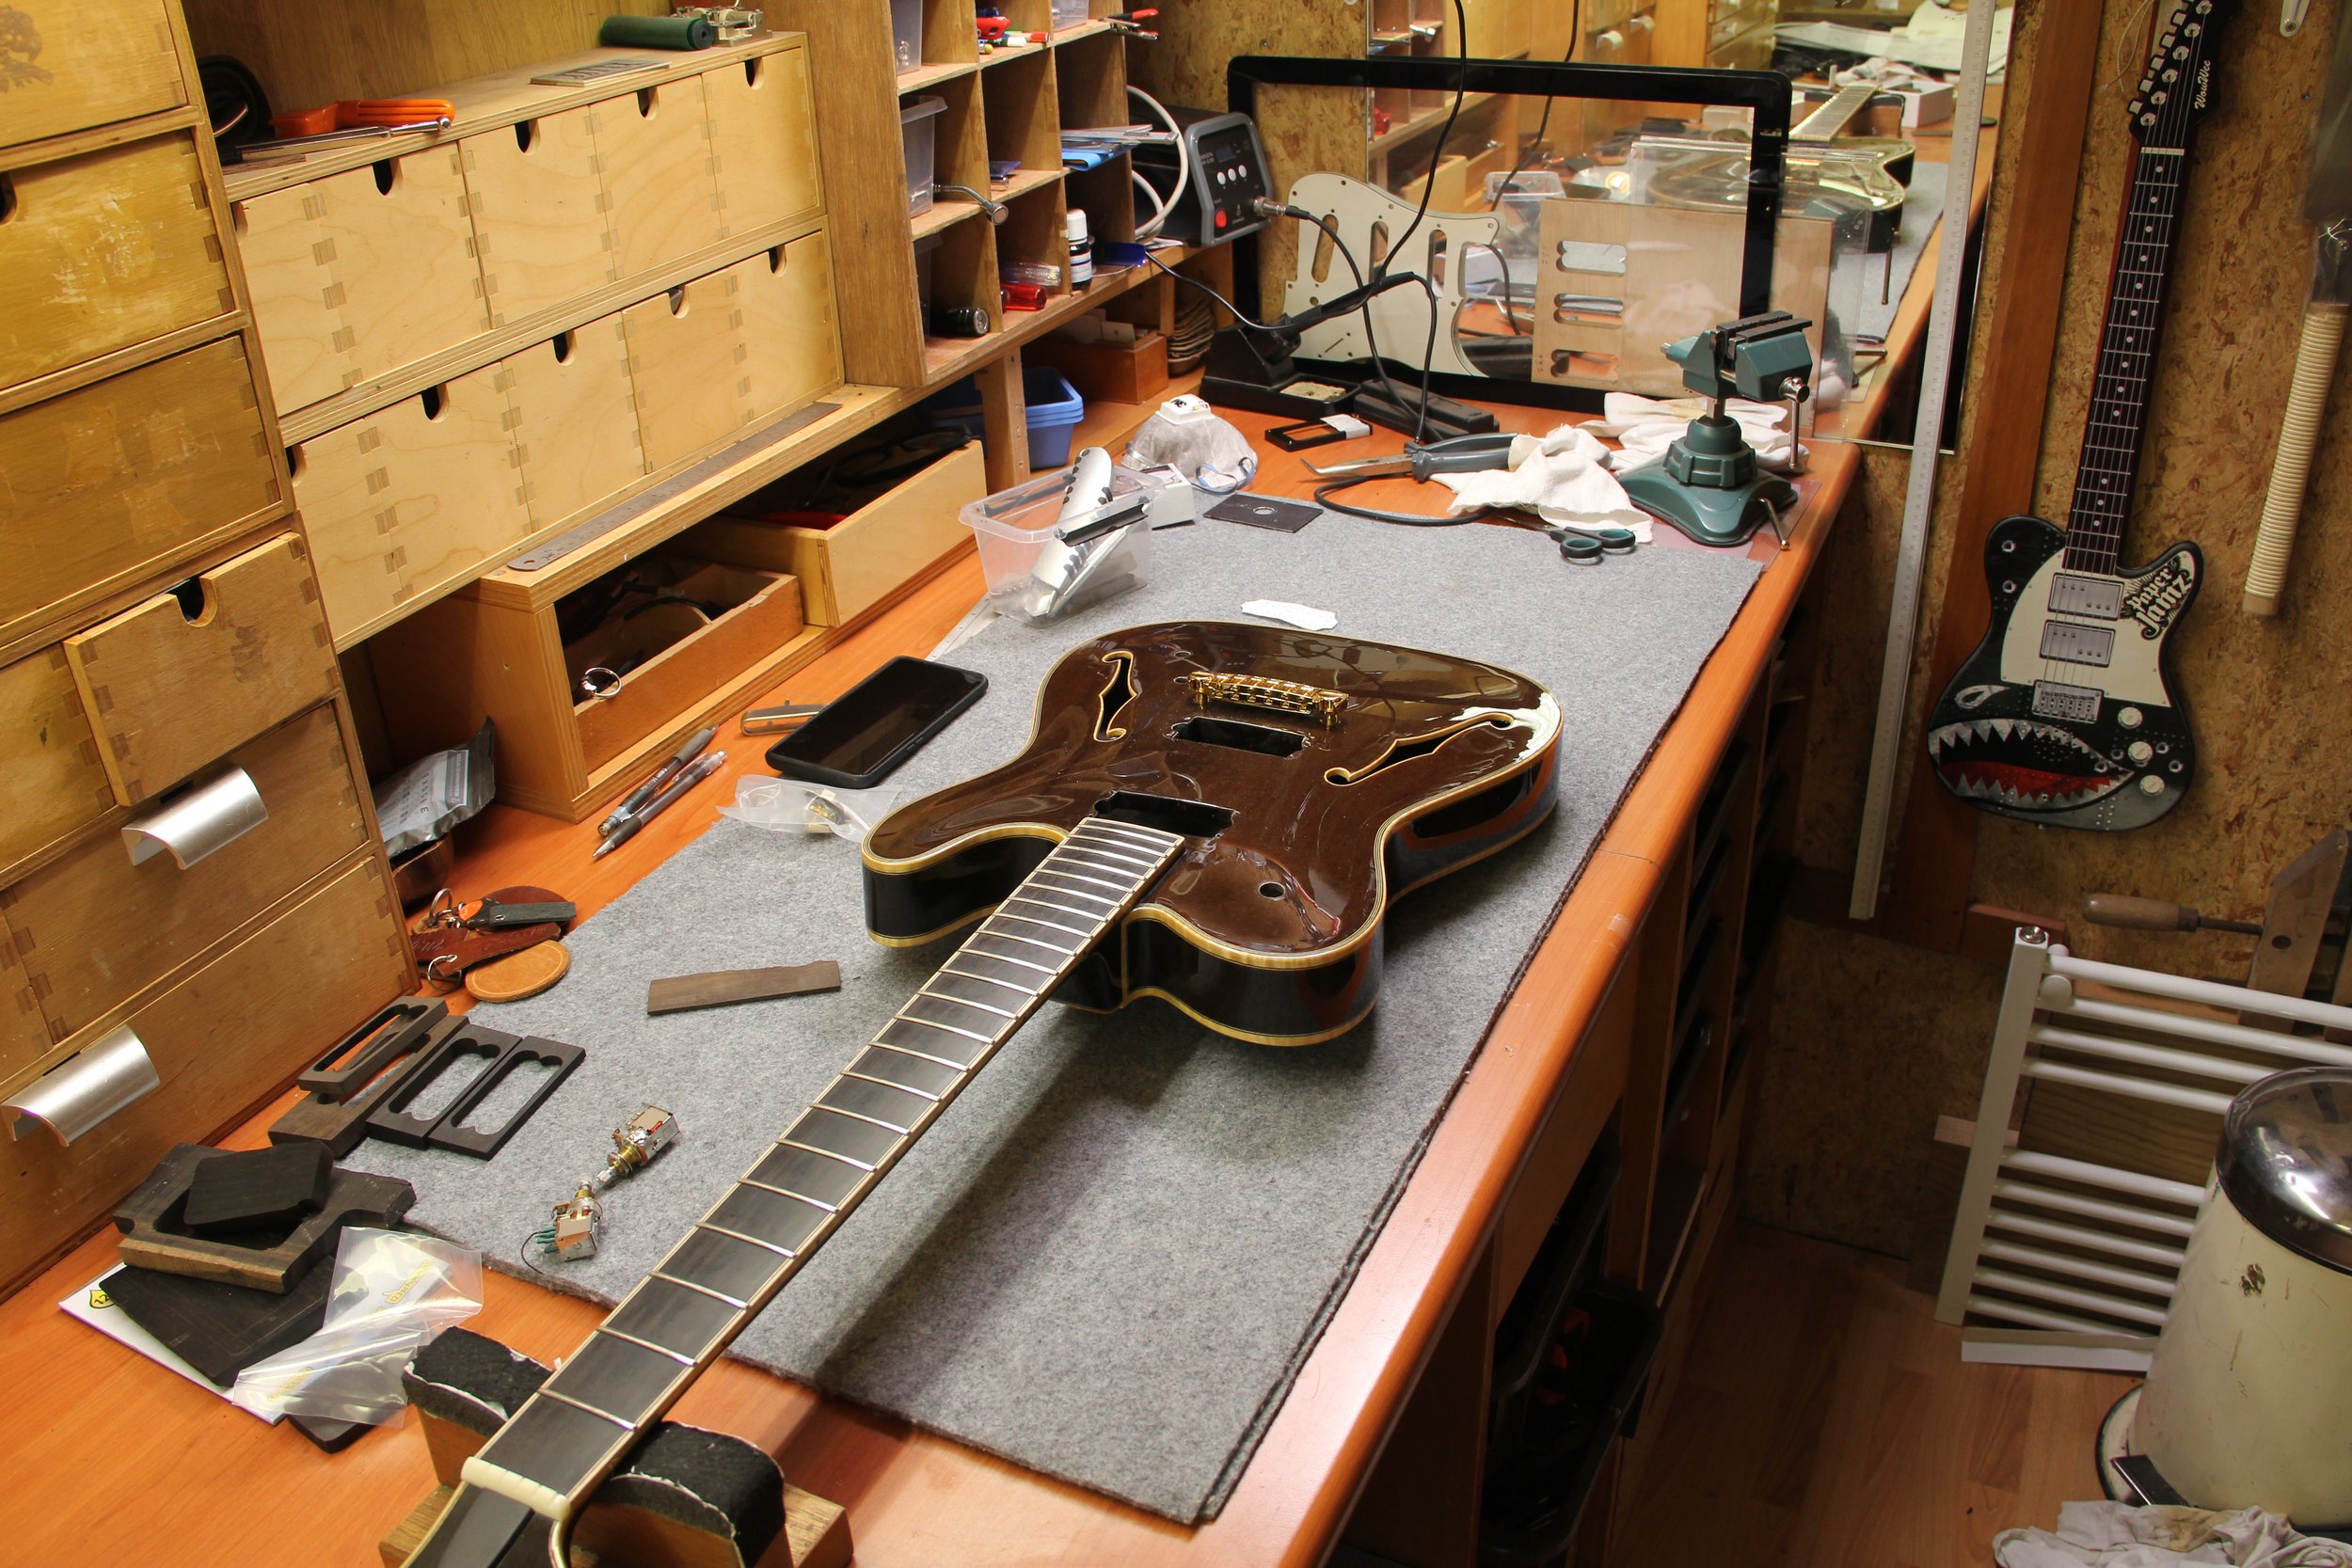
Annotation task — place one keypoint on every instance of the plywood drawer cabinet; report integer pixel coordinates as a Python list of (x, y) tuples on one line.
[(170, 684), (51, 781), (90, 926), (542, 225), (654, 146), (115, 482), (791, 339), (229, 1033), (121, 243), (575, 422), (763, 138), (56, 87)]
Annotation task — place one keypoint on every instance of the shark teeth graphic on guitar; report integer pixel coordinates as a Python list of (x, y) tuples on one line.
[(2021, 765)]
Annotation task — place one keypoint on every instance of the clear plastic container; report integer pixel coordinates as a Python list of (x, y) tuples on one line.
[(906, 32), (1015, 532), (1069, 13), (914, 123)]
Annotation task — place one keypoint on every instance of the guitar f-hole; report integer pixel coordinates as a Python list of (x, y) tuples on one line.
[(1405, 751), (1117, 693)]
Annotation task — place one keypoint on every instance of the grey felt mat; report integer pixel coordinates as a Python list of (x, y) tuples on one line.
[(1109, 1259)]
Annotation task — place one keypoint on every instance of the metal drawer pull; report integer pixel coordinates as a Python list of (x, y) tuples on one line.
[(206, 818), (86, 1088)]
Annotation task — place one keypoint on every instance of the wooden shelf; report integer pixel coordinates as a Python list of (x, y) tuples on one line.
[(996, 57), (1023, 180), (946, 359), (1430, 120), (931, 75), (944, 211)]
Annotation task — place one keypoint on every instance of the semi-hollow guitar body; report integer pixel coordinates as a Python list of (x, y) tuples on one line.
[(1316, 778)]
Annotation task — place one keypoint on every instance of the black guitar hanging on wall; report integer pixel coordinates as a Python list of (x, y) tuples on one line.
[(2065, 713)]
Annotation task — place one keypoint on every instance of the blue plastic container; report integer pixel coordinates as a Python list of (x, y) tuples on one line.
[(1054, 410)]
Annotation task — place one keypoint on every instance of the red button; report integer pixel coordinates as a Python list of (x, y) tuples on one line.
[(1221, 220)]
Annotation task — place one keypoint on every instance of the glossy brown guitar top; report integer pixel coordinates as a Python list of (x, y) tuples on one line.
[(1315, 778)]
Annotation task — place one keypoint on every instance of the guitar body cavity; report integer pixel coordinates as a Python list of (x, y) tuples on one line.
[(2065, 714)]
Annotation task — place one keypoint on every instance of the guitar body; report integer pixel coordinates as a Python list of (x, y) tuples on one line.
[(1269, 931), (2065, 713)]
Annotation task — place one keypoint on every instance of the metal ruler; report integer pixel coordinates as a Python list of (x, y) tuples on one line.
[(611, 518), (1935, 376)]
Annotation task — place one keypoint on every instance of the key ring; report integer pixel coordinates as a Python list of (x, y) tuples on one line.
[(600, 683)]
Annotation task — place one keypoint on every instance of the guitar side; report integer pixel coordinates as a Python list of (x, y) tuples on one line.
[(2024, 736)]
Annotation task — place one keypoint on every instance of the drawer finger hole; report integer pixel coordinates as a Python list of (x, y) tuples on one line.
[(196, 601), (7, 196)]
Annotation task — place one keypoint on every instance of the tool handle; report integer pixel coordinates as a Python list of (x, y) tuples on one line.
[(2137, 914), (2283, 507)]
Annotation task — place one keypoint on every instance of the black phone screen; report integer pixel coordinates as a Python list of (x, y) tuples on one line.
[(864, 733)]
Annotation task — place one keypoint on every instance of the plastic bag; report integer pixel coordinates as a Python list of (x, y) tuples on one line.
[(789, 805), (1187, 436), (391, 1293)]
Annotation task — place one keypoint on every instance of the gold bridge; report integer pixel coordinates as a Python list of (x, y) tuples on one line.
[(1265, 692)]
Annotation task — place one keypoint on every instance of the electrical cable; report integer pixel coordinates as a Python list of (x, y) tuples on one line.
[(1184, 166), (1543, 126), (1445, 133)]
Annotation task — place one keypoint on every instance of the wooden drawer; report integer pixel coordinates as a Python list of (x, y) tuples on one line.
[(23, 1034), (50, 779), (791, 342), (763, 141), (362, 272), (685, 354), (223, 1040), (764, 615), (92, 928), (412, 500), (116, 246), (173, 682), (108, 484), (539, 215), (576, 422), (59, 84), (655, 148), (848, 568)]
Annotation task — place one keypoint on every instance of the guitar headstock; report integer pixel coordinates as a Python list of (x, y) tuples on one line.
[(2177, 89)]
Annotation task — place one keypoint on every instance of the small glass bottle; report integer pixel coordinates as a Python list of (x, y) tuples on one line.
[(1081, 246)]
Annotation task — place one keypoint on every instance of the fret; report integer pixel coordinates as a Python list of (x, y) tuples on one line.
[(897, 1109), (553, 1444), (861, 1141), (1060, 891), (966, 1002), (774, 1219), (1120, 860), (616, 1378), (897, 1050), (1049, 869), (925, 1075), (1031, 942), (969, 951), (622, 1422), (723, 1263), (906, 1016), (859, 1164), (885, 1082), (607, 1329), (934, 1040), (1095, 830), (1002, 914), (823, 1182), (753, 1241), (659, 1312), (970, 986), (782, 1192), (924, 1008), (734, 1303)]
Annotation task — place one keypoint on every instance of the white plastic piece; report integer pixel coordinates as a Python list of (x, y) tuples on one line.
[(1305, 617), (791, 806), (86, 1088), (207, 818)]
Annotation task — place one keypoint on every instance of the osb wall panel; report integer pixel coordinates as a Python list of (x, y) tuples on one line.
[(1872, 1040)]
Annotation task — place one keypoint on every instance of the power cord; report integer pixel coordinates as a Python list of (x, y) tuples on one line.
[(1542, 125)]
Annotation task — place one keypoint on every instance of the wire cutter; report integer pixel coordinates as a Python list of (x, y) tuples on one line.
[(1461, 454)]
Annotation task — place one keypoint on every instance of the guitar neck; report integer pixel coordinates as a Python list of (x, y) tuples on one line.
[(2118, 417), (1834, 114), (570, 1435)]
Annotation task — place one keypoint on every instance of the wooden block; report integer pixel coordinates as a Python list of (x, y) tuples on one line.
[(108, 484), (51, 780), (685, 993), (854, 565), (412, 500), (155, 1234), (338, 1124), (540, 225), (104, 251), (360, 1058), (763, 141), (173, 682), (766, 616), (67, 85), (303, 978), (685, 353), (1105, 372), (790, 337), (815, 1535), (254, 1188), (91, 927), (654, 148), (576, 422)]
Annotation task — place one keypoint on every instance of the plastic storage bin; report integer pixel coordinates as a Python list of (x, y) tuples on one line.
[(915, 125), (1054, 410), (1014, 527), (906, 32), (1069, 13)]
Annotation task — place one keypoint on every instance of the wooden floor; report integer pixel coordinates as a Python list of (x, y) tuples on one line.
[(1826, 1420)]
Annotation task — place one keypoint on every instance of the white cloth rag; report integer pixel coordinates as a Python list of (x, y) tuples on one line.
[(1645, 427), (1563, 477), (2117, 1535)]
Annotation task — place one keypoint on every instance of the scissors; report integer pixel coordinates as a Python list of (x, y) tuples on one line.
[(1461, 454), (1585, 546)]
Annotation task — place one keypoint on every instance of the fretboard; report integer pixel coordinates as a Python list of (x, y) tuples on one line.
[(2128, 361), (569, 1436)]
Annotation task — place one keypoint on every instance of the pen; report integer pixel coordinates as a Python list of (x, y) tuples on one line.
[(659, 803), (652, 787)]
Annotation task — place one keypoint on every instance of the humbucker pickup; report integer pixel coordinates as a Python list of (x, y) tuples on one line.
[(2057, 700), (2077, 644), (2101, 599)]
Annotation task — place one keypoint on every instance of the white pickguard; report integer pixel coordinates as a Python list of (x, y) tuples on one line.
[(2132, 673), (1400, 316)]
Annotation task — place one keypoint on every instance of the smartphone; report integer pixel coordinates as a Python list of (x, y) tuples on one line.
[(861, 737)]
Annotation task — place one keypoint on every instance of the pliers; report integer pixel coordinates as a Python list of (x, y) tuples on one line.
[(1461, 454)]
